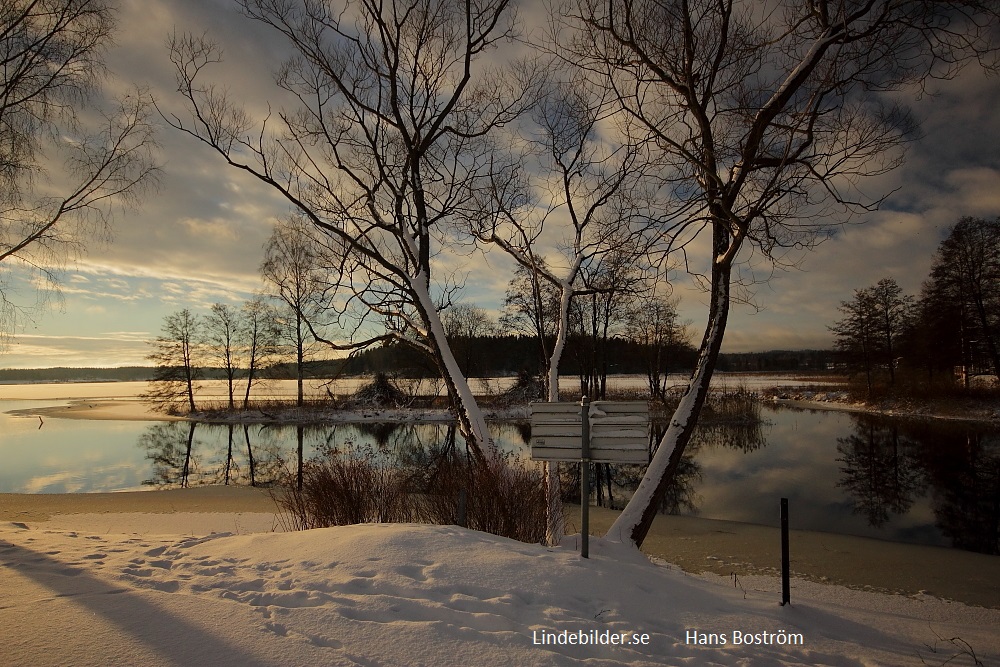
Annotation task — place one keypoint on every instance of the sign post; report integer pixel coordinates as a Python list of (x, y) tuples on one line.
[(585, 478), (602, 432), (785, 587)]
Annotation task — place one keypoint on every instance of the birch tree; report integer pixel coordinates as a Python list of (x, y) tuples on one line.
[(531, 308), (466, 325), (175, 355), (221, 328), (612, 282), (590, 183), (293, 270), (386, 154), (768, 118), (259, 341), (654, 324)]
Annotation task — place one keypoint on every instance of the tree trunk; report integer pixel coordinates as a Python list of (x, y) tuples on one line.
[(635, 520), (299, 357), (554, 525), (562, 332), (189, 376), (471, 421)]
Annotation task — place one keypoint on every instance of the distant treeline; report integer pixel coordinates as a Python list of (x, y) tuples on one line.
[(123, 374), (491, 356), (494, 356), (778, 360), (488, 356)]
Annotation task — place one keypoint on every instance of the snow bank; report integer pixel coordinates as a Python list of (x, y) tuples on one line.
[(428, 595)]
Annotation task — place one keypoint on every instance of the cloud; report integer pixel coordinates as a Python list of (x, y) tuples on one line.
[(111, 350), (199, 239)]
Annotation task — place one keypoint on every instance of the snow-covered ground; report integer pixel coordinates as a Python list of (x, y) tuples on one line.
[(431, 595)]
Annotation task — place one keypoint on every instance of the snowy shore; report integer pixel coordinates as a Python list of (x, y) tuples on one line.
[(205, 577), (693, 544), (167, 592)]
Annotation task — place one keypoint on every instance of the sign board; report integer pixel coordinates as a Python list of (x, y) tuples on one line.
[(619, 432)]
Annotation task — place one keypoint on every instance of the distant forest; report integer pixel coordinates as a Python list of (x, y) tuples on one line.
[(488, 356)]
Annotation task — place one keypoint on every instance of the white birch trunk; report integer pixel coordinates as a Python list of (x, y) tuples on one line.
[(681, 421), (555, 526), (634, 521), (562, 333), (471, 417)]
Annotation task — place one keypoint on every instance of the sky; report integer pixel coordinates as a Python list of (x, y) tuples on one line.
[(199, 239)]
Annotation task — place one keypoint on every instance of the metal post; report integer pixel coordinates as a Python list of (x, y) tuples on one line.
[(785, 588), (463, 519), (585, 478)]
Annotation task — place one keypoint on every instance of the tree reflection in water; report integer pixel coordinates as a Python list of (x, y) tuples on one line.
[(879, 471), (882, 466), (180, 459), (170, 448), (887, 463), (612, 484), (963, 467)]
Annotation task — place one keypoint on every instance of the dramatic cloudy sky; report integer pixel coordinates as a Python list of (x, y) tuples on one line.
[(198, 241)]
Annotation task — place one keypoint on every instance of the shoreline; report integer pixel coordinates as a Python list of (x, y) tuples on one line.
[(860, 408), (698, 546), (136, 410)]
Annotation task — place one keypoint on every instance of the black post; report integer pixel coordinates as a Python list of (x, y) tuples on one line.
[(463, 499), (785, 588), (585, 478)]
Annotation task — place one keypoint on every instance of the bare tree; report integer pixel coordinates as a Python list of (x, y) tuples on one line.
[(894, 310), (531, 308), (258, 339), (52, 51), (874, 322), (653, 323), (857, 333), (613, 282), (221, 329), (387, 154), (466, 325), (175, 354), (765, 118), (293, 269), (590, 192)]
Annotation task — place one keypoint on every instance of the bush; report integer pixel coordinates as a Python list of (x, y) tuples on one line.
[(733, 406), (526, 388), (379, 393), (503, 497), (343, 488)]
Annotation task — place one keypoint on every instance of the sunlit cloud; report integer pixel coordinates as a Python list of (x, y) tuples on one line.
[(199, 240), (110, 350)]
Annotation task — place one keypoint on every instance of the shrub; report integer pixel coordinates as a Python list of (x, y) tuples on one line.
[(379, 393), (503, 497), (341, 488)]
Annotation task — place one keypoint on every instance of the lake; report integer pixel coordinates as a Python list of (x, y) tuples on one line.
[(920, 481)]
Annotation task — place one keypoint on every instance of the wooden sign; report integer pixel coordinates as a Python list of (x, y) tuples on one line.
[(619, 432)]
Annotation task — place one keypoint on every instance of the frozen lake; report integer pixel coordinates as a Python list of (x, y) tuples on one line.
[(920, 481)]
